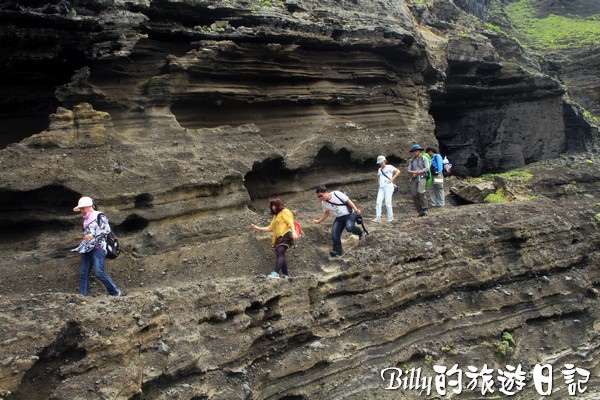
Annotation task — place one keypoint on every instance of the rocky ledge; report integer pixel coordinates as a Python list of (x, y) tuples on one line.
[(182, 118), (408, 297)]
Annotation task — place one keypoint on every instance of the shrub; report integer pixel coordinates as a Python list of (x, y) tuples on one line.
[(506, 346), (497, 197), (504, 349)]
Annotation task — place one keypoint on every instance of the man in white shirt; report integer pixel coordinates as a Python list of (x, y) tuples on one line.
[(345, 213), (385, 178)]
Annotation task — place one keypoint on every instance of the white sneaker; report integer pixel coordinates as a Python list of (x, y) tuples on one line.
[(390, 219), (273, 275), (376, 220)]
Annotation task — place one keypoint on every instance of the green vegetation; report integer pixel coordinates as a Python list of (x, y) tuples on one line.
[(516, 174), (597, 218), (504, 349), (449, 349), (592, 118), (554, 31), (508, 337), (510, 186), (428, 358), (506, 346), (207, 29), (268, 3), (496, 197), (494, 28)]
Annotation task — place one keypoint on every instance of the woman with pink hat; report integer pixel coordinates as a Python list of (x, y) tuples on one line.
[(93, 248)]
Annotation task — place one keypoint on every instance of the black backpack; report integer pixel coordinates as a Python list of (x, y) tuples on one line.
[(112, 243)]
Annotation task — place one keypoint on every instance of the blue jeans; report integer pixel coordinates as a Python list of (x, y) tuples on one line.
[(344, 222), (95, 259)]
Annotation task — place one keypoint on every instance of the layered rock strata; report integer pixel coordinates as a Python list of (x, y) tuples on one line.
[(400, 299), (181, 118)]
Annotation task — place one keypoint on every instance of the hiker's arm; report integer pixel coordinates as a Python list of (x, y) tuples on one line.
[(352, 206), (396, 173), (440, 166), (323, 217), (416, 172), (261, 228)]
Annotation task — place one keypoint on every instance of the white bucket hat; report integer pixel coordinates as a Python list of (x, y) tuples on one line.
[(380, 159), (84, 202)]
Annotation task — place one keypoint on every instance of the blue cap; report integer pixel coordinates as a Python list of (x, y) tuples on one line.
[(415, 147)]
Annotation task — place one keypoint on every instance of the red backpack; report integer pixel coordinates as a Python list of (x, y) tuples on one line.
[(297, 230)]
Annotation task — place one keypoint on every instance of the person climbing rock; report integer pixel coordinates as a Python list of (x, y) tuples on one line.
[(345, 212), (284, 234)]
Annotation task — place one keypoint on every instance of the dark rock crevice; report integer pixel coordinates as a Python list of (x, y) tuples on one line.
[(333, 169), (45, 375), (26, 215)]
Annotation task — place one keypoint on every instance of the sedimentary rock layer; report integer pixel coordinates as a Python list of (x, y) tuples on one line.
[(400, 300)]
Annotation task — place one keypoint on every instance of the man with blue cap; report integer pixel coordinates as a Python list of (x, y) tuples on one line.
[(418, 168)]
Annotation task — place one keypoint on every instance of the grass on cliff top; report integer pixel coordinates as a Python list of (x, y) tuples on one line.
[(554, 31)]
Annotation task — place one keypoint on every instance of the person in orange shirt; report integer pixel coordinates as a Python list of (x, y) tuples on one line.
[(282, 227)]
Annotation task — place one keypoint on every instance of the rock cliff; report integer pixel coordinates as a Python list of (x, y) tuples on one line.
[(182, 118)]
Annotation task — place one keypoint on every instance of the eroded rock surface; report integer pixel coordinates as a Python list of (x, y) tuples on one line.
[(182, 118), (529, 268)]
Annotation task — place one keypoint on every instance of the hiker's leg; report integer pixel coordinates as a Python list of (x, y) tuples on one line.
[(84, 273), (414, 192), (422, 190), (336, 234), (351, 225), (440, 194), (281, 263), (388, 193), (98, 261), (378, 203)]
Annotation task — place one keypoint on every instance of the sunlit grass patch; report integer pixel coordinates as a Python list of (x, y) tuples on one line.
[(554, 31)]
